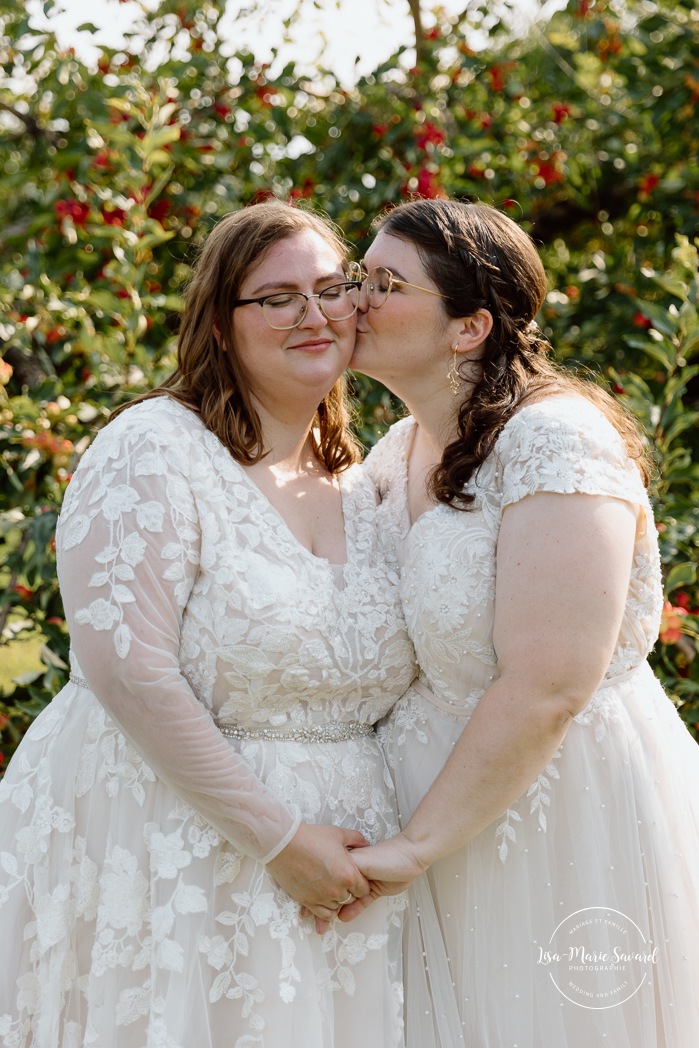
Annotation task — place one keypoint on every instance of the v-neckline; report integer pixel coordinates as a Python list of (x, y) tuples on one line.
[(337, 567)]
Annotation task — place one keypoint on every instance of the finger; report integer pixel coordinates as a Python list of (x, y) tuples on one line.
[(324, 913), (353, 909), (353, 839), (322, 926)]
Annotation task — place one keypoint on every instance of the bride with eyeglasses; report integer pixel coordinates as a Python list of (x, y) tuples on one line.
[(235, 635), (547, 787)]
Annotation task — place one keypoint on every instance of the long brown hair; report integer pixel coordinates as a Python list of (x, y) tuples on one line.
[(480, 259), (209, 377)]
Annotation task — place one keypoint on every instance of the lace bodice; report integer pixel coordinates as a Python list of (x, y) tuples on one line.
[(447, 559), (190, 597)]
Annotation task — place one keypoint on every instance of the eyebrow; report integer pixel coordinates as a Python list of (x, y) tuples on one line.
[(337, 277), (394, 272)]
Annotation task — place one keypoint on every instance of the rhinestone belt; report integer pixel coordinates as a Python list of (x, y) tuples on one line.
[(335, 732)]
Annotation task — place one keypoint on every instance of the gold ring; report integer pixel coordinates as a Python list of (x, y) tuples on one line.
[(348, 900)]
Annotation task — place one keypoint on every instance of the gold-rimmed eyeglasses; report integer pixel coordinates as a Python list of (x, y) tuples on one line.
[(286, 309), (380, 282)]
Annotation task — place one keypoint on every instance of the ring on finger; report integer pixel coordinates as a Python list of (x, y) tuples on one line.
[(348, 900)]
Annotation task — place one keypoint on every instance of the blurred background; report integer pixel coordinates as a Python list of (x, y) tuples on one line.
[(128, 128)]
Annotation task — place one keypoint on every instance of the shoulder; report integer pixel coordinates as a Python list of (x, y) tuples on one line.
[(161, 416), (152, 438), (564, 424), (565, 443), (389, 454), (565, 413), (158, 423)]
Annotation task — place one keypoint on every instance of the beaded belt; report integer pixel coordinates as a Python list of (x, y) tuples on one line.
[(335, 732), (80, 681)]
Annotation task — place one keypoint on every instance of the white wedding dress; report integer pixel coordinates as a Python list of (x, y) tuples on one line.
[(610, 827), (135, 906)]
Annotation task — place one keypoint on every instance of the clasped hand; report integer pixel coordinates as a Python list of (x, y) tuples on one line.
[(333, 872)]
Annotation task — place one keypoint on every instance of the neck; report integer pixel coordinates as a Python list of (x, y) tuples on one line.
[(287, 442), (436, 413)]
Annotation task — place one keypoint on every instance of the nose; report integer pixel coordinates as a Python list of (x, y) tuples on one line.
[(364, 297), (314, 316)]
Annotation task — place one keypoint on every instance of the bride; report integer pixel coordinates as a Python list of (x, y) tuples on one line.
[(547, 786)]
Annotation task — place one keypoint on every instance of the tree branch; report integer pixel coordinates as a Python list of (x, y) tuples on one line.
[(415, 11), (30, 123)]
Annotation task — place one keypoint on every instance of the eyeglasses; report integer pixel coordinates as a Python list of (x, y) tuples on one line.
[(287, 309), (381, 281)]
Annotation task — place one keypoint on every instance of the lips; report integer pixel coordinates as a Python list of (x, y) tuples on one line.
[(312, 345)]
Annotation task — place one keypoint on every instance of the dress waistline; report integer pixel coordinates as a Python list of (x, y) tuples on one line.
[(334, 732)]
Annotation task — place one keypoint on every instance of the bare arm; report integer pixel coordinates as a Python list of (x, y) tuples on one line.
[(563, 565)]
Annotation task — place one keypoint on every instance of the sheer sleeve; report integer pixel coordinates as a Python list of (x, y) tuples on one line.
[(566, 445), (128, 546)]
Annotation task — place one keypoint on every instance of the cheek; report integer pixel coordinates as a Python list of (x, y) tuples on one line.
[(346, 334)]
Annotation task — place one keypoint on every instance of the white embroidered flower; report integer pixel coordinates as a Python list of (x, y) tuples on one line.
[(263, 908), (121, 498), (167, 853), (132, 549), (101, 615), (124, 892), (150, 516), (217, 950)]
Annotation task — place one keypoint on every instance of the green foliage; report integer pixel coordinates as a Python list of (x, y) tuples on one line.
[(585, 130)]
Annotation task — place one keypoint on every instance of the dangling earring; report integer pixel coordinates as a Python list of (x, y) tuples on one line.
[(453, 375)]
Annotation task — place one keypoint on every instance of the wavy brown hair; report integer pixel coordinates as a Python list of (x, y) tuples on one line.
[(209, 377), (480, 259)]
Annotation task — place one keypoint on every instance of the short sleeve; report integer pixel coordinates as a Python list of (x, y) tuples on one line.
[(565, 445), (128, 547)]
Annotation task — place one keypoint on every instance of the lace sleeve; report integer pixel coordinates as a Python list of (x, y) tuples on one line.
[(565, 445), (128, 546)]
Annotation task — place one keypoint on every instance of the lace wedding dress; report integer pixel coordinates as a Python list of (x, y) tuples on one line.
[(135, 907), (506, 939)]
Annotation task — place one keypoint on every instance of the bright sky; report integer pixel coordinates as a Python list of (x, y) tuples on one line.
[(369, 29)]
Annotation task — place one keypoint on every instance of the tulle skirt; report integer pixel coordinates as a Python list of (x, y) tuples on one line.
[(574, 919), (127, 922)]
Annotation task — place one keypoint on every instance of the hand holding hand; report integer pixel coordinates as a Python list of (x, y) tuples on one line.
[(391, 866), (317, 869)]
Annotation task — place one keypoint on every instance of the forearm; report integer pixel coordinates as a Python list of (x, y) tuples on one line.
[(156, 710), (508, 742)]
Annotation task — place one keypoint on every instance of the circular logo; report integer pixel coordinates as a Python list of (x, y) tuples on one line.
[(598, 958)]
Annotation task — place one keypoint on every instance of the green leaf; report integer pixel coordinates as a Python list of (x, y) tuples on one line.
[(662, 351), (680, 575), (660, 318), (157, 139)]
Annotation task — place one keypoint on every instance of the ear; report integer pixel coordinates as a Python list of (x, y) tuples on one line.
[(472, 331), (217, 334)]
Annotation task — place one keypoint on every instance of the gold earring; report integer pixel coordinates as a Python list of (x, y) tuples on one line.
[(453, 375)]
